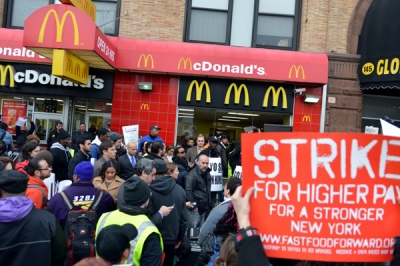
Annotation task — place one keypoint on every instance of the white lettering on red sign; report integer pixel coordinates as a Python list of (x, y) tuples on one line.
[(101, 44)]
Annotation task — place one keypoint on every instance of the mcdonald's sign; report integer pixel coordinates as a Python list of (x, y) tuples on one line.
[(185, 63), (199, 91), (275, 97), (146, 60), (238, 93), (144, 106), (3, 76), (70, 67), (59, 26), (307, 118), (296, 70), (86, 6)]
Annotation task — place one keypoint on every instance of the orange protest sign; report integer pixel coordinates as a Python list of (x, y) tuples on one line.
[(324, 197)]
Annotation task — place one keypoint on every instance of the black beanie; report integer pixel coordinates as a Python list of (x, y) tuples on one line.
[(63, 135), (136, 191), (13, 181)]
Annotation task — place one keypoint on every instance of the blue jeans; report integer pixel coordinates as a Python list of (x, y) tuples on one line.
[(195, 220)]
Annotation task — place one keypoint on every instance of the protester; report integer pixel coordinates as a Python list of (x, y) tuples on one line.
[(108, 152), (61, 155), (165, 191), (198, 190), (219, 211), (148, 248), (157, 151), (28, 236), (102, 135), (82, 192), (147, 149), (7, 163), (117, 139), (28, 151), (152, 137), (84, 144), (81, 133), (109, 180), (38, 170), (128, 161), (211, 151), (53, 135), (183, 165), (113, 243), (221, 147), (6, 136), (189, 144), (33, 138), (21, 134), (170, 153), (193, 152), (235, 157)]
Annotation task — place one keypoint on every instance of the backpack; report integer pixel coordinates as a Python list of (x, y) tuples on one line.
[(44, 196), (215, 256), (80, 229)]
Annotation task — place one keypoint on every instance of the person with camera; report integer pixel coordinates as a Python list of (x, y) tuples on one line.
[(198, 192)]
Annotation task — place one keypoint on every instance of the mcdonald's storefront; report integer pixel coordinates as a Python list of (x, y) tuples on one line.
[(189, 88)]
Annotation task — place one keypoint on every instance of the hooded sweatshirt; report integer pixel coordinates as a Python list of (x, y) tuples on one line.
[(61, 158), (27, 232), (95, 152), (166, 192)]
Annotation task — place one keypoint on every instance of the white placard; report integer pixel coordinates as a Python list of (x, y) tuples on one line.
[(21, 122), (50, 183), (389, 129), (93, 161), (131, 133), (63, 185), (216, 174), (237, 172), (371, 130)]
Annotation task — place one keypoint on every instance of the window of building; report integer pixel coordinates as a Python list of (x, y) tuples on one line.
[(107, 11), (250, 23)]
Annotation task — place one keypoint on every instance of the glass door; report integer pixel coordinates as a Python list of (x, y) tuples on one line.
[(45, 123), (97, 120)]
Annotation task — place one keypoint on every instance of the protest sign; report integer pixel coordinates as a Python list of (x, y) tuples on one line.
[(325, 197), (131, 134), (216, 174), (237, 172), (389, 129)]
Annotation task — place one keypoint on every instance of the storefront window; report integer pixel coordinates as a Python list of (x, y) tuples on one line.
[(216, 122), (49, 105), (80, 108), (376, 107)]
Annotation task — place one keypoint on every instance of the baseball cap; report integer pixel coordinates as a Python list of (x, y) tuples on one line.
[(113, 240), (213, 139), (155, 127)]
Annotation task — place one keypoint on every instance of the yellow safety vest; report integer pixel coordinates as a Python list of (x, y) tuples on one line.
[(72, 152), (142, 223), (229, 169)]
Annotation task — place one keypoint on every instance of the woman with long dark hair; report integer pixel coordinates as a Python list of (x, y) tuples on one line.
[(109, 179), (28, 151)]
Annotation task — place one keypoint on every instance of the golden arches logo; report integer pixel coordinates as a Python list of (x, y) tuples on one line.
[(146, 60), (238, 93), (3, 76), (296, 70), (199, 91), (86, 6), (144, 106), (275, 97), (185, 63), (59, 26), (307, 118)]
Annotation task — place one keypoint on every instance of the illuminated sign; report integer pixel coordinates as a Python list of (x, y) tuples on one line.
[(199, 90), (59, 26), (186, 62), (275, 97), (296, 70), (3, 76), (70, 67), (144, 106), (146, 60), (238, 93), (86, 6)]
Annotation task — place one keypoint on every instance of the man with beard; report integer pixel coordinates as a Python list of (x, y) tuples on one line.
[(84, 143), (38, 170), (61, 156)]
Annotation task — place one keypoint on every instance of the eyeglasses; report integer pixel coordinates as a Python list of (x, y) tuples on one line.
[(46, 168)]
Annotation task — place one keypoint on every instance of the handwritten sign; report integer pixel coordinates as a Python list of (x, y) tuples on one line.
[(216, 174), (131, 134), (329, 197)]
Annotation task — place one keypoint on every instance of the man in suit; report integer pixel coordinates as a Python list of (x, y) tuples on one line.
[(191, 153), (128, 161)]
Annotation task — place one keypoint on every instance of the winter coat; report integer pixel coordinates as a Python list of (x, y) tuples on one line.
[(82, 193), (148, 138), (61, 158), (112, 189), (35, 194), (181, 180), (198, 189), (235, 157), (8, 140), (95, 152), (166, 192), (77, 135), (77, 159), (29, 236)]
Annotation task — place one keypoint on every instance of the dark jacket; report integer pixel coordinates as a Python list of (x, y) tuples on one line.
[(198, 188), (82, 193), (250, 251), (125, 166), (148, 138), (181, 180), (212, 153), (224, 160), (207, 250), (61, 158), (21, 136), (235, 157), (77, 135), (166, 192), (52, 138), (153, 156), (29, 236), (78, 158), (396, 253)]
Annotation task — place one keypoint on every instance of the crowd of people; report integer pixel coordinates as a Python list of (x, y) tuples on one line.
[(127, 203)]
